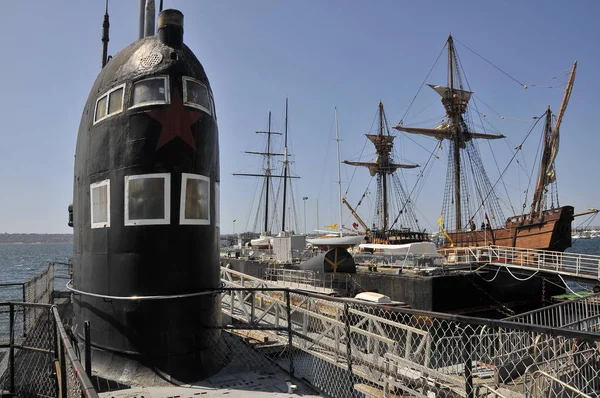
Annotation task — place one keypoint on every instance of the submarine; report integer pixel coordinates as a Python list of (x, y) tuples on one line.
[(145, 209)]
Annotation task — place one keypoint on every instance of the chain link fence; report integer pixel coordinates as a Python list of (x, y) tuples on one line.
[(38, 360), (346, 348), (340, 347)]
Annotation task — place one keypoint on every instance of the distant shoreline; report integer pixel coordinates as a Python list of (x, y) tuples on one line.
[(35, 238), (34, 243)]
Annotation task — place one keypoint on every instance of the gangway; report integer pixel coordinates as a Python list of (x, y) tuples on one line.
[(575, 265)]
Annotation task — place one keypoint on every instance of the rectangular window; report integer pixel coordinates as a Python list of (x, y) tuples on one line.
[(110, 103), (195, 94), (147, 199), (100, 204), (115, 101), (195, 200), (101, 108), (152, 91)]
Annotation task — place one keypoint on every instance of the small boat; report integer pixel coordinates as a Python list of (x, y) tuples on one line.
[(262, 242), (334, 240), (408, 248)]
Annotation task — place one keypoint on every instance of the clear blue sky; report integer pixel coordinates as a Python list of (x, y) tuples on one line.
[(320, 54)]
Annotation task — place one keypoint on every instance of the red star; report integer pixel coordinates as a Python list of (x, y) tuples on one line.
[(176, 121)]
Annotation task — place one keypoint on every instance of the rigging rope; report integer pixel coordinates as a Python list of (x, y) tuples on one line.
[(361, 155), (483, 58), (511, 160), (422, 84), (535, 160)]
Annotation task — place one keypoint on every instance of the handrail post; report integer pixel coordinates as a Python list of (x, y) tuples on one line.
[(24, 319), (252, 309), (348, 338), (289, 330), (468, 366), (11, 352), (56, 345), (63, 369), (88, 350)]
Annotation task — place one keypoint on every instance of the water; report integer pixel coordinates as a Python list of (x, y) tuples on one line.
[(19, 262), (585, 246)]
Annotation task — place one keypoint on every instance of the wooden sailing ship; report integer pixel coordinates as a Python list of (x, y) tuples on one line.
[(395, 221), (543, 227)]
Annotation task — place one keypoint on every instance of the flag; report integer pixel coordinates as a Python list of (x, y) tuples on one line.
[(441, 224)]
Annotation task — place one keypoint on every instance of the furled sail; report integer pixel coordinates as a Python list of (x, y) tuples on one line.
[(444, 131), (448, 93), (554, 142)]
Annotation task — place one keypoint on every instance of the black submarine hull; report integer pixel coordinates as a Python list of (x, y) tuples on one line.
[(137, 169)]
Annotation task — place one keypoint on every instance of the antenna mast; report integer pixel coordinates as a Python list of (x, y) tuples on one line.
[(105, 39), (149, 20), (285, 166), (337, 138)]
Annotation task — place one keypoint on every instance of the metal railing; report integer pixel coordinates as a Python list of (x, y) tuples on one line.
[(342, 347), (578, 314), (584, 266), (348, 348), (309, 280), (39, 359), (72, 379)]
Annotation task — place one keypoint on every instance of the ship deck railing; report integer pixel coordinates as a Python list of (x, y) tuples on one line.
[(395, 260), (342, 347), (321, 282), (575, 265)]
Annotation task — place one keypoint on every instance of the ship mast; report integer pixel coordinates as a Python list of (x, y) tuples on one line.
[(268, 175), (337, 138), (383, 167), (268, 172), (550, 150), (454, 129), (455, 117), (285, 166)]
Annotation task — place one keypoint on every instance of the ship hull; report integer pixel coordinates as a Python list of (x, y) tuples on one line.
[(550, 232)]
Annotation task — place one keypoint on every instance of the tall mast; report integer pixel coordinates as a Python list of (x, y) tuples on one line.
[(454, 129), (456, 138), (337, 138), (384, 175), (550, 150), (536, 205), (285, 166), (268, 175), (383, 167)]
